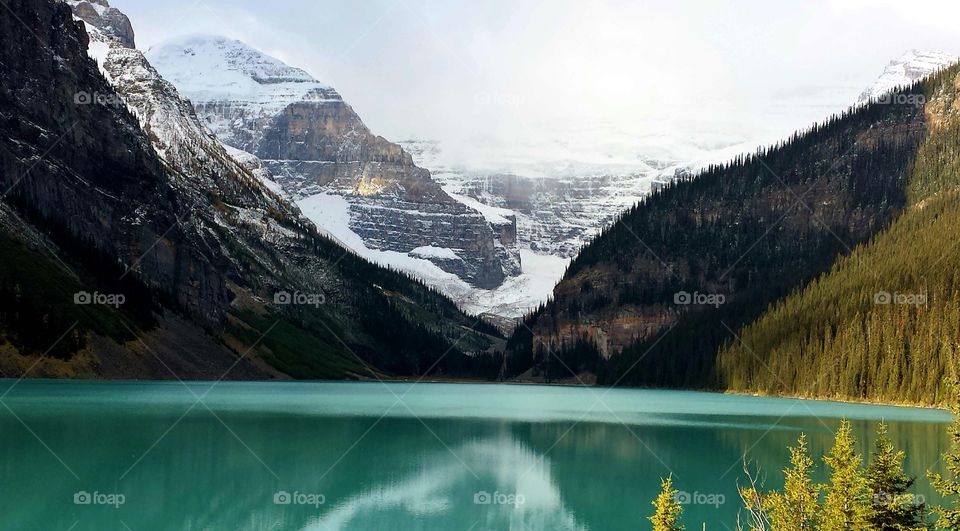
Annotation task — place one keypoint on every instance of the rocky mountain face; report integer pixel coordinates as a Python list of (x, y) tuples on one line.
[(115, 192), (554, 209), (555, 215), (314, 143), (905, 70)]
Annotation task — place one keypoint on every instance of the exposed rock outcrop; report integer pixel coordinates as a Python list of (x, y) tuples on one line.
[(98, 13)]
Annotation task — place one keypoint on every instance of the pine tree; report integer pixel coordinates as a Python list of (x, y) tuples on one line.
[(796, 508), (666, 517), (894, 509), (846, 506), (949, 486)]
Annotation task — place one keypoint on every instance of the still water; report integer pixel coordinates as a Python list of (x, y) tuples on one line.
[(399, 456)]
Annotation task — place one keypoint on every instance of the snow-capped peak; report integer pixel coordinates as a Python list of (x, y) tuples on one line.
[(209, 68), (216, 54), (907, 69)]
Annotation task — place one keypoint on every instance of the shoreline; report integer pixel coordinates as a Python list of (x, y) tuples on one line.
[(512, 383), (712, 391)]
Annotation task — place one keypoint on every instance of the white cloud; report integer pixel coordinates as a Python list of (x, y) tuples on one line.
[(509, 70)]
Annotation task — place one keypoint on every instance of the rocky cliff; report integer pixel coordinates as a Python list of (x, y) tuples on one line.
[(556, 215), (74, 156), (314, 142), (111, 20)]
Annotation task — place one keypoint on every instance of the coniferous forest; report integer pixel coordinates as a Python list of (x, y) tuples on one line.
[(883, 323)]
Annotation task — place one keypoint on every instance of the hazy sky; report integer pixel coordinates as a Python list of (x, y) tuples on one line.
[(439, 67)]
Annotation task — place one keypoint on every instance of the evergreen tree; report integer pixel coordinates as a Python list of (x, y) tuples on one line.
[(894, 509), (949, 485), (846, 506), (796, 508), (666, 517)]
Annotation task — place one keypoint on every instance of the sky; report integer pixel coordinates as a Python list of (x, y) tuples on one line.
[(511, 70)]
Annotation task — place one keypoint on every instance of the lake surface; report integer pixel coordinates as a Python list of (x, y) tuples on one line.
[(398, 456)]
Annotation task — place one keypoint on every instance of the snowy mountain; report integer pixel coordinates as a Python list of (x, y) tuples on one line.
[(180, 138), (320, 151), (906, 69)]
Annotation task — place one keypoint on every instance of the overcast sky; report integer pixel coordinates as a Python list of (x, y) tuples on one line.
[(432, 68)]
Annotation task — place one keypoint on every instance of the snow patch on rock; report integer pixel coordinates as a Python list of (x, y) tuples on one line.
[(429, 251)]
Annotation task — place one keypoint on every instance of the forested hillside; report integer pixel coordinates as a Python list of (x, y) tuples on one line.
[(884, 323), (662, 292)]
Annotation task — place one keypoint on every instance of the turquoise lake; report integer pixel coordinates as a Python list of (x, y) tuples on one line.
[(399, 456)]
